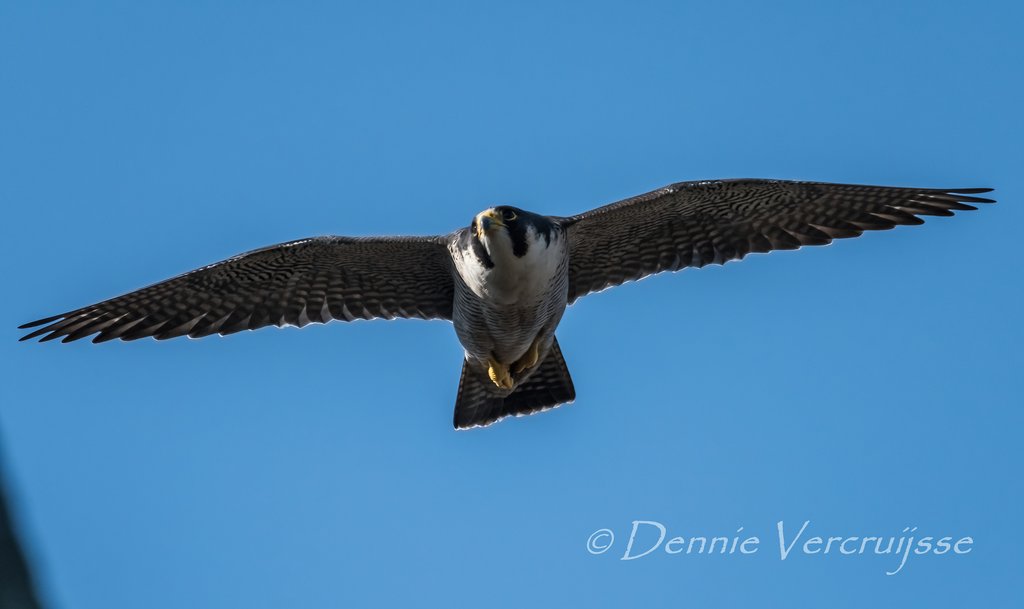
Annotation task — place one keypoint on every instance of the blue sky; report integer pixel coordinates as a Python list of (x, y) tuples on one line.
[(868, 386)]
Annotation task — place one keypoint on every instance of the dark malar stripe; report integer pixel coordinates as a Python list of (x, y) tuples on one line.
[(480, 251)]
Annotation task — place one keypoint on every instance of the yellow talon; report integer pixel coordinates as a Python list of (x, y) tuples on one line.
[(499, 375), (529, 359)]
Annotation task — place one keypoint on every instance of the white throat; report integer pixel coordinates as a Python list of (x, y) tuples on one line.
[(514, 279)]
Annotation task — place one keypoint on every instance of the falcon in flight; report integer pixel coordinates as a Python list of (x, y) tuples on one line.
[(505, 280)]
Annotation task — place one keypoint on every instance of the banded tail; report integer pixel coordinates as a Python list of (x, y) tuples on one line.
[(479, 404)]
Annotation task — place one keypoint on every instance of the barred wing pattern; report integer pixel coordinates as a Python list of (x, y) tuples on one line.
[(692, 224), (295, 283)]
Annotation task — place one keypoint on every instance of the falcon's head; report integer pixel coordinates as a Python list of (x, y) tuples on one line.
[(506, 230)]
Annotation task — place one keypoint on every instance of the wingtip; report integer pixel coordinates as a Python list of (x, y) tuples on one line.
[(965, 194), (39, 322), (34, 334)]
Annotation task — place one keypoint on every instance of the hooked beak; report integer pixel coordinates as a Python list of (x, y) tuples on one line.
[(488, 221)]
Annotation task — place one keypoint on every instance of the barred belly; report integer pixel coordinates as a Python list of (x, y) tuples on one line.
[(504, 332)]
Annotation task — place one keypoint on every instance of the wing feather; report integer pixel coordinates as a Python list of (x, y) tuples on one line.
[(290, 284), (693, 224)]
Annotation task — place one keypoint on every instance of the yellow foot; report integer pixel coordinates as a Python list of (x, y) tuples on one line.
[(529, 359), (499, 374)]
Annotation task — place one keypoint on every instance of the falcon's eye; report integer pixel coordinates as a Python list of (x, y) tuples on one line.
[(508, 215)]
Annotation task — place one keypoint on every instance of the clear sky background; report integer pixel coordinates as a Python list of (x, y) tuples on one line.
[(867, 386)]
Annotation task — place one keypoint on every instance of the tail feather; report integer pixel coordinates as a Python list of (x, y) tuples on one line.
[(480, 403)]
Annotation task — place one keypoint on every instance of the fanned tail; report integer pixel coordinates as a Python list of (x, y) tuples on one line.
[(480, 403)]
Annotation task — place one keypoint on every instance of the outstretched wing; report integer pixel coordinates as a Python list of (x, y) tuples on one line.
[(691, 224), (296, 283)]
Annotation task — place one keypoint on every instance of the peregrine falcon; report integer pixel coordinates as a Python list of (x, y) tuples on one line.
[(506, 279)]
